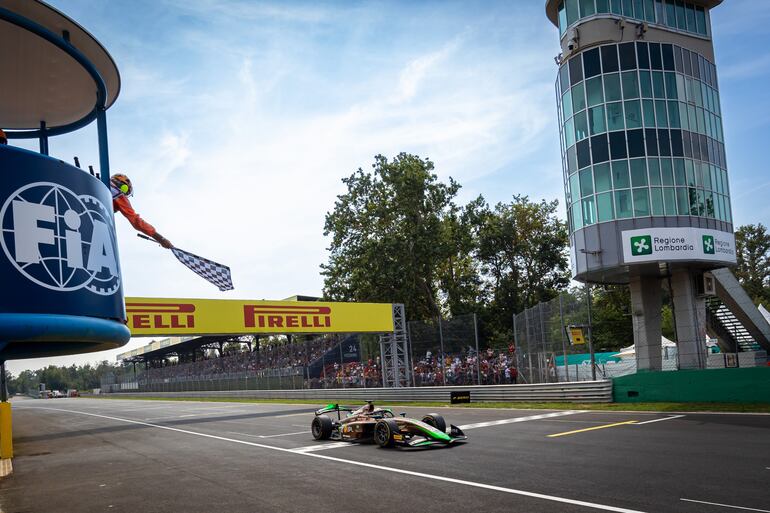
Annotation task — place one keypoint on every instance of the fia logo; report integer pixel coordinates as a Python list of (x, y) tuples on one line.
[(59, 240)]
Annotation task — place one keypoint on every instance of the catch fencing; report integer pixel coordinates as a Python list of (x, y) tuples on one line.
[(546, 354), (540, 335), (441, 352)]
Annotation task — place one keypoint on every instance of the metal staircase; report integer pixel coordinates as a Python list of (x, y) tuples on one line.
[(734, 318), (722, 324)]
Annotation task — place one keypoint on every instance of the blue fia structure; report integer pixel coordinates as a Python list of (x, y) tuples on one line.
[(62, 290)]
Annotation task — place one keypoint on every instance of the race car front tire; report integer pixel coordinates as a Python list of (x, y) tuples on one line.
[(321, 427), (384, 431), (435, 420)]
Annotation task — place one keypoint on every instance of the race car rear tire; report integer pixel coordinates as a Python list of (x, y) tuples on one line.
[(435, 420), (321, 427), (384, 431)]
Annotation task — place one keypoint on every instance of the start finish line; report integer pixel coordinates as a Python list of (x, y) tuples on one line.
[(179, 317)]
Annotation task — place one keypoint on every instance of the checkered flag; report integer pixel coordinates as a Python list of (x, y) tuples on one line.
[(209, 270)]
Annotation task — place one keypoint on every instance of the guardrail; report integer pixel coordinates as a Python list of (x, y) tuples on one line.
[(580, 391)]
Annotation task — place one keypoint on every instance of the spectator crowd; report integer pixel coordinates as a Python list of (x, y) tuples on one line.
[(267, 359), (488, 367)]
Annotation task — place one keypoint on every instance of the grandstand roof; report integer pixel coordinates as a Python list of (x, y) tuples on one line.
[(158, 350)]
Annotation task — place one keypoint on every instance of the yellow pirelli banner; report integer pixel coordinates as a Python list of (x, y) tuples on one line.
[(173, 316)]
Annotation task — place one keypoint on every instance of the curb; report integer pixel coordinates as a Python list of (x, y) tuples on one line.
[(6, 467)]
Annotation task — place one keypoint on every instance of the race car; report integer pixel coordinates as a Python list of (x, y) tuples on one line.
[(368, 423)]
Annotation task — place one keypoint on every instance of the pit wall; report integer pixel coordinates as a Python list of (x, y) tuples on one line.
[(750, 385)]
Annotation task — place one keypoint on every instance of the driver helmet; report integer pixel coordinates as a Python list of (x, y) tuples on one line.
[(122, 183), (3, 137)]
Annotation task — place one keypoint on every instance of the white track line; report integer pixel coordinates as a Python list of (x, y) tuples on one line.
[(659, 420), (726, 505), (269, 436), (203, 414), (285, 434), (520, 419), (321, 447), (359, 463)]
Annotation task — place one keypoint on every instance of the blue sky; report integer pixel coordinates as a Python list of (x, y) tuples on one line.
[(237, 120)]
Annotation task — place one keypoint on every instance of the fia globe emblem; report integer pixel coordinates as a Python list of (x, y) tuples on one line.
[(60, 240)]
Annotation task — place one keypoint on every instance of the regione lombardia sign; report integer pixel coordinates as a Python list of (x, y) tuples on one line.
[(667, 244)]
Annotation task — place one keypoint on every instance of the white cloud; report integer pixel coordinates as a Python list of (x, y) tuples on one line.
[(416, 70), (240, 155)]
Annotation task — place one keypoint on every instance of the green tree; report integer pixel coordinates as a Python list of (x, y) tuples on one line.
[(388, 236), (83, 377), (611, 317), (752, 243), (522, 251), (667, 322), (459, 279)]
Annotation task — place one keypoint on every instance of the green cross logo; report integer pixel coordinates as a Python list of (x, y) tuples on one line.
[(641, 245), (708, 244)]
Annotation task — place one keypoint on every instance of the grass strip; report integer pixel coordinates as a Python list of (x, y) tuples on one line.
[(646, 407)]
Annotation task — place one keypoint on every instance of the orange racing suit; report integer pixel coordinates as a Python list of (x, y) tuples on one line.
[(121, 203)]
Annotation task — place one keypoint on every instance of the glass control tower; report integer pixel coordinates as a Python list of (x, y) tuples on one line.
[(645, 168)]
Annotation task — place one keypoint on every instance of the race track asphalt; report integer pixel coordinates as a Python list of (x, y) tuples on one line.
[(98, 455)]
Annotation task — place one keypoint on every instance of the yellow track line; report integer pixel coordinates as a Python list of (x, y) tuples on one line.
[(592, 428)]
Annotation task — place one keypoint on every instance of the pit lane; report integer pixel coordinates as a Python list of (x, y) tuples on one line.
[(122, 455)]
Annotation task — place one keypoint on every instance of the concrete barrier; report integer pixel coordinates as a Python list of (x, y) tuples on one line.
[(581, 392)]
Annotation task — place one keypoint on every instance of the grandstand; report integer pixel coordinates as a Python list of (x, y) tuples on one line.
[(316, 360), (294, 362)]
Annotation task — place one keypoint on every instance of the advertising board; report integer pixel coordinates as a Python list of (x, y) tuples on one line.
[(671, 244), (175, 316)]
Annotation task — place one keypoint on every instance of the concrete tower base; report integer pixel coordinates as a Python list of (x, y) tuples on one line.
[(690, 315), (646, 302)]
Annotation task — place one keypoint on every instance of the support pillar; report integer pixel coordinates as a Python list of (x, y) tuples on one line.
[(646, 303), (690, 315)]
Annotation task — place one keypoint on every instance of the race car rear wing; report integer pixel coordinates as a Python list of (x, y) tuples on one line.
[(333, 408)]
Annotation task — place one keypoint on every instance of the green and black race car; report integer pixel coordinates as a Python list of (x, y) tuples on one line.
[(368, 423)]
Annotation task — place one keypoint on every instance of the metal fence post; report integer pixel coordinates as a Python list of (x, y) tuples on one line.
[(441, 340), (516, 349), (546, 373), (563, 336), (411, 352), (476, 334), (529, 348), (590, 333), (382, 363)]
